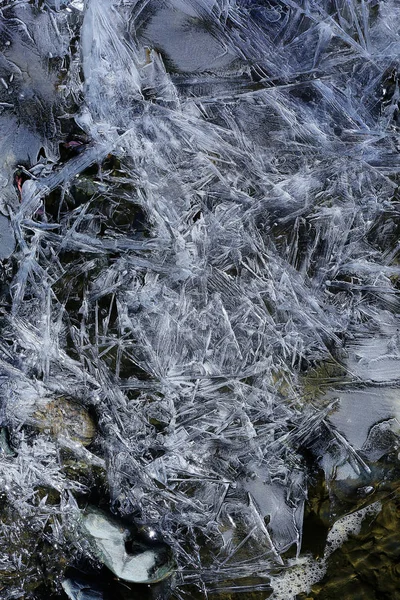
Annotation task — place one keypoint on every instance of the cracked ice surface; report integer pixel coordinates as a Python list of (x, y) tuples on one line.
[(207, 208)]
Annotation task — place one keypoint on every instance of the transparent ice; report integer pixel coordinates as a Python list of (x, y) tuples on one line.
[(206, 208)]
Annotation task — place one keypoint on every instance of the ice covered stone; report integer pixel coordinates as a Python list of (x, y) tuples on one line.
[(108, 538)]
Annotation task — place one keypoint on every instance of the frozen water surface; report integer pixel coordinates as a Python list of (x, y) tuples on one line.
[(199, 242)]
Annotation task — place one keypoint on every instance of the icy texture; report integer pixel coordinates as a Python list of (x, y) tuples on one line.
[(205, 206), (77, 590)]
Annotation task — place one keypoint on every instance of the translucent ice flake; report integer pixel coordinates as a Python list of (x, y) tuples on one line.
[(81, 590)]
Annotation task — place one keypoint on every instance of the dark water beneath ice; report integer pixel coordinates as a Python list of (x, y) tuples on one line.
[(199, 298)]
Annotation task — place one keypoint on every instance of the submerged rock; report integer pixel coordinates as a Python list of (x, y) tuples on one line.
[(65, 417), (108, 540)]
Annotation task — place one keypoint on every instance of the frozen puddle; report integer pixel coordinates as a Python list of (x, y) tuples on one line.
[(198, 213)]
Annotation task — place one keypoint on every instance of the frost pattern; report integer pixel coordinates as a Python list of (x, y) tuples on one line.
[(207, 204)]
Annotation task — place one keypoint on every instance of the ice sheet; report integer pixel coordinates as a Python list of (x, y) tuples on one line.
[(204, 201)]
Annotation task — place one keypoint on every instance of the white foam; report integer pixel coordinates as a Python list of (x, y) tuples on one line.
[(303, 573)]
